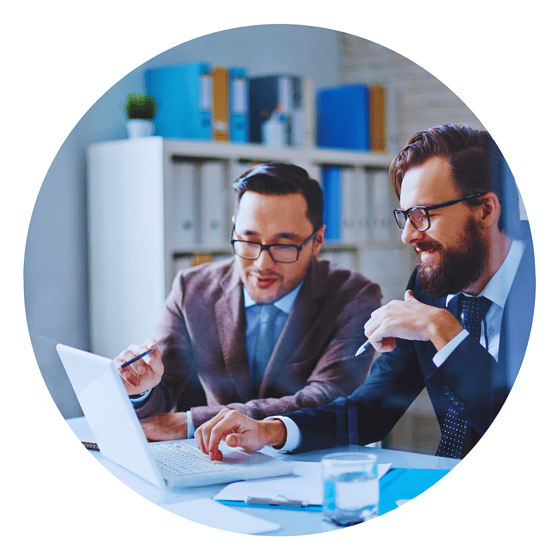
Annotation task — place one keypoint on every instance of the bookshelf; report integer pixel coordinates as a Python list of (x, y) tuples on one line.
[(139, 233)]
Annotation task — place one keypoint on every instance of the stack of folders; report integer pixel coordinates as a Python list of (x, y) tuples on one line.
[(196, 101), (352, 117), (358, 205)]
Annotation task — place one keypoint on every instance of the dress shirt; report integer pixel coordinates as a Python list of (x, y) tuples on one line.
[(496, 291)]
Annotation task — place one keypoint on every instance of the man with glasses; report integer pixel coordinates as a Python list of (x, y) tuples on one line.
[(463, 326), (269, 331)]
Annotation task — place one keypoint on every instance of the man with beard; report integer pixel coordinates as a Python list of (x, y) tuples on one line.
[(268, 331), (463, 326)]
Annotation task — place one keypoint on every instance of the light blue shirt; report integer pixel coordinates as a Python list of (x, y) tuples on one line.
[(497, 291)]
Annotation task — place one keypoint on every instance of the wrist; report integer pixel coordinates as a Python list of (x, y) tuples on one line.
[(443, 328), (275, 432)]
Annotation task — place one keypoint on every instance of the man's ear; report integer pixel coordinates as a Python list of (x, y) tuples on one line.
[(490, 210), (319, 240)]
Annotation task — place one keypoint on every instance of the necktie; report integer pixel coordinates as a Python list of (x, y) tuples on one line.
[(454, 431), (265, 343)]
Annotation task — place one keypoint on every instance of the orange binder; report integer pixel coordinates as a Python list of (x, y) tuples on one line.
[(220, 112), (377, 123)]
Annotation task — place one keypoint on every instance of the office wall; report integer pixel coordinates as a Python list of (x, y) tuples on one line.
[(55, 275)]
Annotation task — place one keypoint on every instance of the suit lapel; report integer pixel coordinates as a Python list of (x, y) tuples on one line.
[(230, 313)]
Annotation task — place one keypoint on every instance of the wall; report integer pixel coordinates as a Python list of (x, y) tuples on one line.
[(55, 273)]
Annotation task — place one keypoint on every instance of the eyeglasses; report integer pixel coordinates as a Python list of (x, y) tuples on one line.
[(419, 216), (278, 253)]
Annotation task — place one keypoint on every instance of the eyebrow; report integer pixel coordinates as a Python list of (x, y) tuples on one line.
[(282, 235)]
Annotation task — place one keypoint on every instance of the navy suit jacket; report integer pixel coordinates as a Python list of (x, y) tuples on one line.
[(470, 379)]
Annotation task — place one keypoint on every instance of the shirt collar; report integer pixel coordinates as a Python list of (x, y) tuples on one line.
[(498, 287), (285, 303)]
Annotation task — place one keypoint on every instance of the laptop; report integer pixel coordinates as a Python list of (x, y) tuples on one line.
[(119, 435)]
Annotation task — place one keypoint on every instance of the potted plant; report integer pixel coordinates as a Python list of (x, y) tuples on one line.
[(140, 110)]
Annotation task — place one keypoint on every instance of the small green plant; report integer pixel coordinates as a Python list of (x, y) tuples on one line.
[(140, 106)]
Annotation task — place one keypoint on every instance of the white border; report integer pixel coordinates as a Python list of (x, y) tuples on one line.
[(143, 57)]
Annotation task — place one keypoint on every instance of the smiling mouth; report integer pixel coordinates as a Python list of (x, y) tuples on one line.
[(265, 281)]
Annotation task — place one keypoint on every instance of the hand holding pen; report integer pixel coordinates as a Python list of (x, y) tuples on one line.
[(140, 366)]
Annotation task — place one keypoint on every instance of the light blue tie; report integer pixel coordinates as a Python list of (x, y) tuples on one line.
[(265, 343)]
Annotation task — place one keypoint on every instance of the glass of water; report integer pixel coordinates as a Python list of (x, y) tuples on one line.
[(351, 488)]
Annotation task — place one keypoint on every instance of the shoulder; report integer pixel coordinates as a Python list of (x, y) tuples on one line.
[(346, 283), (207, 278)]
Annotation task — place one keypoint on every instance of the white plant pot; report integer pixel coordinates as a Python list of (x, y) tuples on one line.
[(138, 128)]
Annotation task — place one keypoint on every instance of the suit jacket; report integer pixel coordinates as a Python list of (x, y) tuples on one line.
[(202, 334), (470, 379)]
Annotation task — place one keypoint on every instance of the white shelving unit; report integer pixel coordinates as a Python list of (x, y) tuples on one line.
[(136, 226)]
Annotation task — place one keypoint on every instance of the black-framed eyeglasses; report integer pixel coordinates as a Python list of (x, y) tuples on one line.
[(419, 216), (278, 253)]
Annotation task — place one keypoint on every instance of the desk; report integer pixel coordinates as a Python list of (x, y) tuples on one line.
[(292, 522)]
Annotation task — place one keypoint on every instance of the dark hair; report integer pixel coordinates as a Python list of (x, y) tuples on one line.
[(283, 178), (474, 159)]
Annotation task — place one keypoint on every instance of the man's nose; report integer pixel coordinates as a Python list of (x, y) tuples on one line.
[(265, 261), (410, 234)]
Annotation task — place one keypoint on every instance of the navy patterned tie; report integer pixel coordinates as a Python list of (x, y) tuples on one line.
[(265, 343), (454, 431)]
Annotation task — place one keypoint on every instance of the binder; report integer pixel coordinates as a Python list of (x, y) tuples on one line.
[(349, 207), (308, 114), (183, 95), (355, 206), (343, 117), (185, 207), (383, 201), (238, 105), (377, 112), (331, 210), (405, 484), (268, 92), (220, 108), (214, 204)]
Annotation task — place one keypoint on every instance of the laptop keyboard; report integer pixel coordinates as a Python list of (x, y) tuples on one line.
[(178, 458)]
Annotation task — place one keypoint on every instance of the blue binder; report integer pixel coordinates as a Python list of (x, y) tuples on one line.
[(238, 105), (343, 117), (330, 179), (183, 95), (265, 93), (405, 484)]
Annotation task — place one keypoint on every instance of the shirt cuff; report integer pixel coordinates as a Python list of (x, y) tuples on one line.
[(446, 351), (293, 434), (139, 400), (190, 425)]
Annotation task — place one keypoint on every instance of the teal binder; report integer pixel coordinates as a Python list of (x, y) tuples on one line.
[(405, 484), (330, 182), (238, 105), (183, 96)]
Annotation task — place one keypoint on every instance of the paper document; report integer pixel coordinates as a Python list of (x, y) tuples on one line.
[(304, 486), (210, 513)]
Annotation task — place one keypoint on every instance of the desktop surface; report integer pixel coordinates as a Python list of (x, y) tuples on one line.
[(291, 521)]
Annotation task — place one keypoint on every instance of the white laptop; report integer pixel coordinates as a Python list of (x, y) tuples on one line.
[(119, 435)]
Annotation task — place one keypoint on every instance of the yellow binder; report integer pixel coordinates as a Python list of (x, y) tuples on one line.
[(220, 112)]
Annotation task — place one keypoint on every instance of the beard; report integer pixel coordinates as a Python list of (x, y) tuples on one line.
[(459, 266)]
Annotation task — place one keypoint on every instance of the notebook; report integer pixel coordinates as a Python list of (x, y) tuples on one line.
[(119, 435)]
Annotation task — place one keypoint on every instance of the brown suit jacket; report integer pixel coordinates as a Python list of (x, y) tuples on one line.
[(202, 333)]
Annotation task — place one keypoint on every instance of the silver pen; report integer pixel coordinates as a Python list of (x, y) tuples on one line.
[(362, 348)]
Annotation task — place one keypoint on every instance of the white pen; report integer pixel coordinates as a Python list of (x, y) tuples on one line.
[(362, 348)]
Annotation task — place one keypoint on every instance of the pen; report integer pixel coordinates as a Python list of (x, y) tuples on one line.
[(139, 357), (362, 348), (280, 501)]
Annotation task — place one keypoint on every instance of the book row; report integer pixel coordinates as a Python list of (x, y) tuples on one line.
[(197, 101)]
